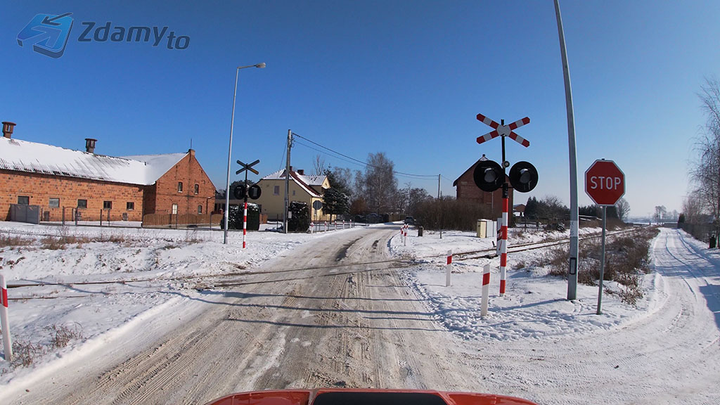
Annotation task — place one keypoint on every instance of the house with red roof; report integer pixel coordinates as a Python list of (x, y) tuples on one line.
[(63, 183), (302, 188)]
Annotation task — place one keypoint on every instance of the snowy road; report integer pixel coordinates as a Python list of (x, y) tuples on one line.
[(670, 354), (362, 326), (323, 326)]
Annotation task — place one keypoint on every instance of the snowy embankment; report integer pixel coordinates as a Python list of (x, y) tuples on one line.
[(534, 304), (96, 282)]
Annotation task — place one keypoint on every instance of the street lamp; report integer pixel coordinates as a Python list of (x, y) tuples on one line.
[(232, 124)]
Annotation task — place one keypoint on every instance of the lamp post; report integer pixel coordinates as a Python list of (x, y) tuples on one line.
[(226, 214)]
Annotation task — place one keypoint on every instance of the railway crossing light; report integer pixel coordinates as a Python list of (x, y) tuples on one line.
[(523, 177), (488, 176)]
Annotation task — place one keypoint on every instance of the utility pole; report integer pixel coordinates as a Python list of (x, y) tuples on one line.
[(287, 182), (574, 215), (440, 201)]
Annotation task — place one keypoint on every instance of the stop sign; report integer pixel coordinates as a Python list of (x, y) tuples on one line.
[(604, 182)]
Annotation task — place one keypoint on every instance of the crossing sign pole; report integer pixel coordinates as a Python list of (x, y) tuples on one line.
[(246, 168), (604, 184), (503, 131)]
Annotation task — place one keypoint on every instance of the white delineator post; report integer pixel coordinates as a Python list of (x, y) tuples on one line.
[(4, 322), (503, 244), (244, 224), (312, 227), (485, 290), (448, 268)]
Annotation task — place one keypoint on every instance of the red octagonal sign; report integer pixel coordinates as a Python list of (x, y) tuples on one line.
[(604, 182)]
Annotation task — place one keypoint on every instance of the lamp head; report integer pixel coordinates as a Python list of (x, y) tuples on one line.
[(260, 65)]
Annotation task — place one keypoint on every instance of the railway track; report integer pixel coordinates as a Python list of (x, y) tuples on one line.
[(247, 277)]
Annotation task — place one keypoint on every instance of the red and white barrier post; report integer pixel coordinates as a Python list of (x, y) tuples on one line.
[(485, 291), (4, 322), (244, 224), (312, 228), (448, 268), (503, 243), (404, 231)]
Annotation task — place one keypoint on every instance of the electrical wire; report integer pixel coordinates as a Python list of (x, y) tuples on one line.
[(350, 159)]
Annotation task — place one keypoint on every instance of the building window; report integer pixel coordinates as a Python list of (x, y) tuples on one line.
[(179, 186), (199, 209), (197, 189), (276, 190), (174, 209), (54, 203), (82, 204), (130, 206), (293, 192), (23, 200), (107, 205)]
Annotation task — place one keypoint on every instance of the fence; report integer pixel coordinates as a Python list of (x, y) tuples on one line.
[(181, 220), (701, 231), (325, 226)]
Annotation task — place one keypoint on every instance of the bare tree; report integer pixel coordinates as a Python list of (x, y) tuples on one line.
[(660, 213), (692, 208), (623, 208), (319, 166), (706, 171), (378, 184)]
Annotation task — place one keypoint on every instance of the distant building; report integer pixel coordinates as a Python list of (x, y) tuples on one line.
[(303, 188), (468, 190), (63, 181)]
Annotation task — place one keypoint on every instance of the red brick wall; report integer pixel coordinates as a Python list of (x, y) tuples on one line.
[(467, 190), (40, 188), (165, 192)]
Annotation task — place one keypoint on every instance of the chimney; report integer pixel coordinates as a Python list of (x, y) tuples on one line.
[(301, 172), (8, 128), (90, 145)]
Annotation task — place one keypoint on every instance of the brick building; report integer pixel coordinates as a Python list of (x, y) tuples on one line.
[(62, 182), (468, 190)]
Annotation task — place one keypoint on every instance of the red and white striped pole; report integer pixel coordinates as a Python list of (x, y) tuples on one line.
[(244, 224), (404, 231), (503, 242), (448, 268), (485, 290), (4, 322), (312, 227)]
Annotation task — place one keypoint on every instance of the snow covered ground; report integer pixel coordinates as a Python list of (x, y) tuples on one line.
[(534, 305), (111, 278)]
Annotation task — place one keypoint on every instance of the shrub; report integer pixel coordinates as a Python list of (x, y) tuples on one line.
[(626, 257), (24, 353), (62, 335), (300, 218), (448, 213)]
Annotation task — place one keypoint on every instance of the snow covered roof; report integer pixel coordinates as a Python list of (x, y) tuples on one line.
[(305, 182), (31, 157), (157, 165)]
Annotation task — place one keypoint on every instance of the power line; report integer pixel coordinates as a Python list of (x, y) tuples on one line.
[(357, 161)]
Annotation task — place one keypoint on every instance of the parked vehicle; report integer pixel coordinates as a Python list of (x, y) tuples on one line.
[(409, 221)]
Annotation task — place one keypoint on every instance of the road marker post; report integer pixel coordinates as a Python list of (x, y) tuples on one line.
[(485, 291), (312, 228), (4, 322), (244, 225), (448, 268)]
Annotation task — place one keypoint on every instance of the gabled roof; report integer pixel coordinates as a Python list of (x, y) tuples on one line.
[(157, 165), (305, 182), (31, 157)]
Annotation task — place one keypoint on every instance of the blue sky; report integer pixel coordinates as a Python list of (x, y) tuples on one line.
[(402, 77)]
